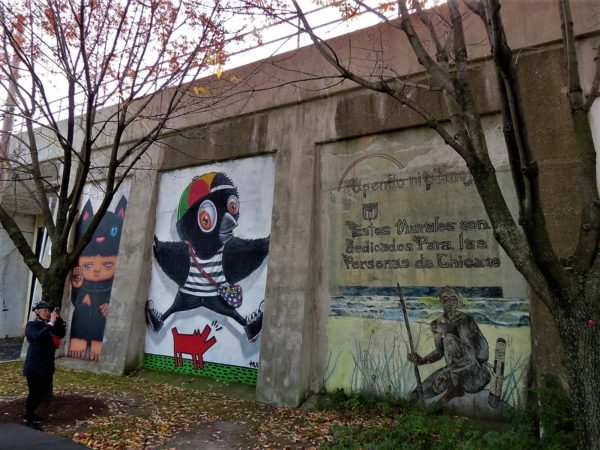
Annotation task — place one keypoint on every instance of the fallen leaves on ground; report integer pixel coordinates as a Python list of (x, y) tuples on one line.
[(143, 414)]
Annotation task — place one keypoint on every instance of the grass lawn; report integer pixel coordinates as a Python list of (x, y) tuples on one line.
[(152, 409)]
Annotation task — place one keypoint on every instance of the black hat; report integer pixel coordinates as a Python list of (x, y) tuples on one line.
[(41, 304)]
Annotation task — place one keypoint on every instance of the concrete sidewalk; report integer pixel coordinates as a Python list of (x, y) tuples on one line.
[(15, 436)]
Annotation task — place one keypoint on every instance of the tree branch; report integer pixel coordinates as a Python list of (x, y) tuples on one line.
[(16, 235), (523, 167), (589, 235), (439, 75)]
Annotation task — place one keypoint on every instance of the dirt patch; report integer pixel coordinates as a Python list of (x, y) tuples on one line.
[(60, 411), (218, 435)]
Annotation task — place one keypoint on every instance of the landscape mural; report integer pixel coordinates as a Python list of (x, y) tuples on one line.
[(206, 300), (423, 301), (92, 278)]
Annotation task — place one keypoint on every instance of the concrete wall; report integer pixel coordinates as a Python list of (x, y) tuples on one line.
[(318, 129), (14, 281), (126, 325)]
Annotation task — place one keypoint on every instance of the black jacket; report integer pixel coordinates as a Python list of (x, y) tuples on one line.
[(40, 354)]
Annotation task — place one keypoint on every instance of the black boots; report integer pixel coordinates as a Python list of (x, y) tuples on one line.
[(153, 316), (254, 324), (34, 422)]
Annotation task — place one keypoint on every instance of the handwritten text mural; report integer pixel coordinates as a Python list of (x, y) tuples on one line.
[(403, 214)]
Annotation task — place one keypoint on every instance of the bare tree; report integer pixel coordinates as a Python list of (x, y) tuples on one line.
[(570, 287), (114, 65)]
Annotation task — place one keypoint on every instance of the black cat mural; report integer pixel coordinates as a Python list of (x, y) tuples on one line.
[(209, 259), (92, 281)]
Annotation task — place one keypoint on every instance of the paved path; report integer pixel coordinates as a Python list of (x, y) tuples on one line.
[(15, 436)]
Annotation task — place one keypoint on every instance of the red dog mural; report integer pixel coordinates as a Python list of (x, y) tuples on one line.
[(194, 344)]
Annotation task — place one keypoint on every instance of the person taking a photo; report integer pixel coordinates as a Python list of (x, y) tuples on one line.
[(43, 334)]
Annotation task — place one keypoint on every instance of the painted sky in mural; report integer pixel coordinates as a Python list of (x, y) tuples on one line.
[(92, 278), (409, 215), (209, 268)]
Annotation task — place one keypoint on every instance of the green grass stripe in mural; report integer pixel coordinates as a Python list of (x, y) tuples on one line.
[(224, 372)]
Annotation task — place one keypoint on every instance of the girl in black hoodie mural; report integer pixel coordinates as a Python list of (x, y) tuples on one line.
[(92, 281)]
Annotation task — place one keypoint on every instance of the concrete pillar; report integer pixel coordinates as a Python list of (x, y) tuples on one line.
[(123, 345), (289, 327)]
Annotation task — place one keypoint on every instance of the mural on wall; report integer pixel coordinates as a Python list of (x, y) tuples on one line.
[(92, 280), (194, 344), (459, 341), (405, 226), (209, 270)]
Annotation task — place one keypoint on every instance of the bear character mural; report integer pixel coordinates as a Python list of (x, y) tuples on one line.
[(209, 259), (92, 280)]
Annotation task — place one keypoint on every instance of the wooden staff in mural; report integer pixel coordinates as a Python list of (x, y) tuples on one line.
[(419, 388), (92, 281), (209, 259), (457, 339)]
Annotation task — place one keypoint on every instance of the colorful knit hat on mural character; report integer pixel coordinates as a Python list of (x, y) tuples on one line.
[(200, 187)]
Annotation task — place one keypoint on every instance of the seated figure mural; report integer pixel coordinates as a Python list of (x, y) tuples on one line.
[(459, 341)]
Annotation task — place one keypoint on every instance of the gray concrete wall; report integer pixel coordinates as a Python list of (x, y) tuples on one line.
[(296, 121), (294, 342), (125, 325), (14, 281), (555, 152)]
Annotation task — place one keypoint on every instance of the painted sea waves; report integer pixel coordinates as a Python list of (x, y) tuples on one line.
[(486, 304)]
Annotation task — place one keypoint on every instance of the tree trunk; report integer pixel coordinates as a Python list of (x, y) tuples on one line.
[(580, 336), (53, 287)]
